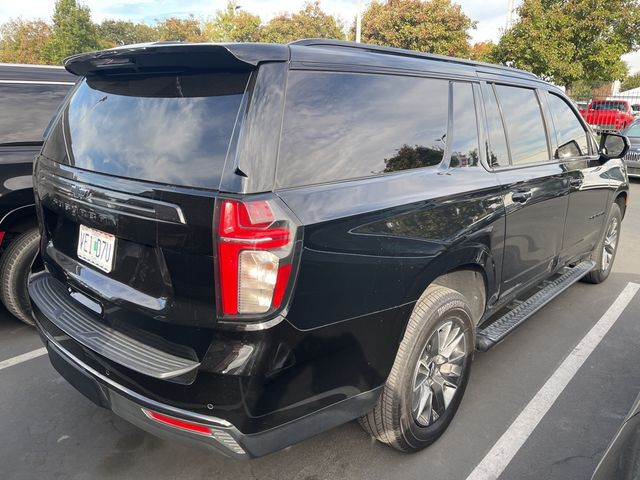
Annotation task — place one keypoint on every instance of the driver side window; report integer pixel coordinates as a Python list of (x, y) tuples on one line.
[(571, 136)]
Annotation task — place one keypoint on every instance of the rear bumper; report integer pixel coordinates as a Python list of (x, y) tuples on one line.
[(129, 405), (225, 438), (98, 379)]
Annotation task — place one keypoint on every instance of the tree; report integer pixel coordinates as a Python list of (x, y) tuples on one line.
[(234, 25), (566, 41), (73, 31), (180, 29), (24, 41), (310, 22), (632, 81), (113, 33), (435, 26), (483, 51)]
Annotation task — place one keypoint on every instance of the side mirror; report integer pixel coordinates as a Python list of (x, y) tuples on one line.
[(613, 145)]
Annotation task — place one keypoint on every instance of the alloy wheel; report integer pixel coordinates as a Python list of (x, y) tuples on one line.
[(610, 244), (438, 372)]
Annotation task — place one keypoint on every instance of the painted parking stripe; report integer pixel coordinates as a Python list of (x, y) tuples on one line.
[(497, 459), (22, 358)]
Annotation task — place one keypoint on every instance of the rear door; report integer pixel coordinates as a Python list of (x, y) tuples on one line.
[(588, 179), (535, 186), (127, 182)]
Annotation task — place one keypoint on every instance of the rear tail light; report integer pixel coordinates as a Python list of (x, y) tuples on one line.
[(255, 249)]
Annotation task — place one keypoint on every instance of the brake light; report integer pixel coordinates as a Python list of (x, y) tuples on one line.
[(255, 248)]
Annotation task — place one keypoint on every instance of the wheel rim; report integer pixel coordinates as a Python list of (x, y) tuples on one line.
[(438, 372), (610, 244)]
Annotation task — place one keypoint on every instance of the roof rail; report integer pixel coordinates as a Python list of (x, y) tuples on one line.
[(324, 42)]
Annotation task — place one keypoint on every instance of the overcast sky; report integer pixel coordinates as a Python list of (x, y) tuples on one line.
[(490, 14)]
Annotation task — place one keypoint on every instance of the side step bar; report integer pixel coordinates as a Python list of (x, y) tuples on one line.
[(495, 332)]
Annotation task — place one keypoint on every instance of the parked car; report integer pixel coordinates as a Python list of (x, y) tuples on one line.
[(29, 96), (621, 460), (608, 115), (635, 109), (581, 105), (249, 244), (632, 158)]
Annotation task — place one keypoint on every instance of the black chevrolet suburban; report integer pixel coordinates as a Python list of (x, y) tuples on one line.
[(248, 244), (29, 97)]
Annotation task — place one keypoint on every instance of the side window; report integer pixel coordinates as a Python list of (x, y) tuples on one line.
[(525, 127), (340, 126), (464, 146), (497, 151), (26, 110), (571, 135)]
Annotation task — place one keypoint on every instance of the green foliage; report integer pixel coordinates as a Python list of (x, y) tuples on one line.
[(24, 41), (586, 89), (73, 31), (233, 25), (566, 41), (483, 52), (435, 26), (180, 29), (417, 156), (310, 22), (113, 33), (632, 81)]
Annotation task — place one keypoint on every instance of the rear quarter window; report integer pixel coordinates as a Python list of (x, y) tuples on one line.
[(340, 126), (27, 109)]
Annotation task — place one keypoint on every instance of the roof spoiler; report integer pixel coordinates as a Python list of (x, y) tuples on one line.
[(174, 56)]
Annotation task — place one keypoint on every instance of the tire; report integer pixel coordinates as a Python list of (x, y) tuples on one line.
[(602, 269), (15, 266), (394, 420)]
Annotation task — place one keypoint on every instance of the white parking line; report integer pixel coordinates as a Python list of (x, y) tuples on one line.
[(497, 459), (22, 358)]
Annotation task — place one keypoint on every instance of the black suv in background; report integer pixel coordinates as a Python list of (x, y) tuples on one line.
[(248, 244), (29, 97)]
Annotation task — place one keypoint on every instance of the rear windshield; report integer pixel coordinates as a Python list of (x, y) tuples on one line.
[(609, 106), (633, 130), (172, 129)]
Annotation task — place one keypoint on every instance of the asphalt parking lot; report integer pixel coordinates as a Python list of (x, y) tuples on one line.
[(50, 431)]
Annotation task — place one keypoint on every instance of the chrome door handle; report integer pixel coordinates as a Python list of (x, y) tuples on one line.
[(521, 196), (575, 182)]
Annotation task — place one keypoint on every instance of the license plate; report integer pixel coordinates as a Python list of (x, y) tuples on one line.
[(96, 247)]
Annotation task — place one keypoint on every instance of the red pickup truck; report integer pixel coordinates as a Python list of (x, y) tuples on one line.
[(608, 115)]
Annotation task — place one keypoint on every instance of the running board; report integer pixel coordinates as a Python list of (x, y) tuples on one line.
[(495, 332)]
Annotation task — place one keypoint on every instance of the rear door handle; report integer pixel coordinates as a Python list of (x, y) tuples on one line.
[(521, 196), (575, 182)]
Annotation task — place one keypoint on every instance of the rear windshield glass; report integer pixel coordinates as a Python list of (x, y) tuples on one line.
[(171, 129), (609, 106), (633, 130)]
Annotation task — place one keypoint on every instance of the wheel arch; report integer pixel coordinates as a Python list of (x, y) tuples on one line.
[(471, 282), (18, 220), (472, 271), (621, 199)]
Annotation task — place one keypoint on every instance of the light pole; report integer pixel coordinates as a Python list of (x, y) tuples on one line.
[(510, 9), (359, 21)]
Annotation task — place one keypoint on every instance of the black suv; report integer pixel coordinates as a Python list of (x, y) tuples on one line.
[(248, 244), (29, 97)]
